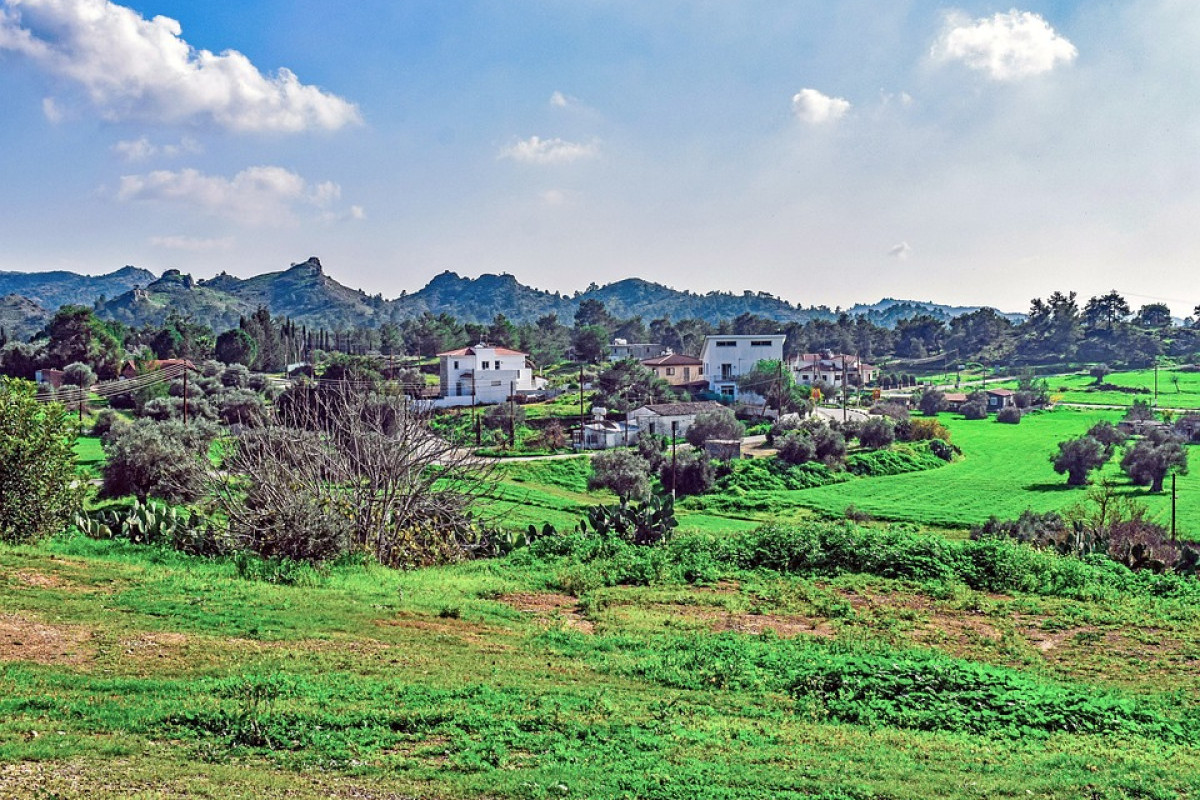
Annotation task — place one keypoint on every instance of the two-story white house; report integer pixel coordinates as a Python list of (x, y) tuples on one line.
[(832, 369), (726, 358), (484, 375)]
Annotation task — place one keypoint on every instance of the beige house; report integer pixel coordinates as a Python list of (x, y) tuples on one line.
[(679, 370)]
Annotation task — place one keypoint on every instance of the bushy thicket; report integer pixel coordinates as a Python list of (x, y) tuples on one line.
[(827, 549), (167, 460)]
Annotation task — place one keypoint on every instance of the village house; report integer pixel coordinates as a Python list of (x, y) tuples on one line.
[(663, 419), (1000, 398), (832, 369), (620, 349), (680, 371), (954, 400), (484, 375), (49, 377), (726, 358), (602, 433)]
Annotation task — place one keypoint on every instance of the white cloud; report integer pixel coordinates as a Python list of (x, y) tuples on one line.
[(192, 244), (560, 100), (553, 197), (50, 108), (815, 108), (143, 149), (535, 150), (258, 196), (134, 68), (1008, 46), (901, 251)]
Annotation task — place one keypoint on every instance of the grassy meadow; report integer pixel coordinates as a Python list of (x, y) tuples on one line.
[(834, 663)]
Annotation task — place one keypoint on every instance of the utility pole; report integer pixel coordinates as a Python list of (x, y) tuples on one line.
[(1173, 506), (512, 415), (185, 395), (582, 421), (1156, 388), (843, 388), (674, 474), (779, 389)]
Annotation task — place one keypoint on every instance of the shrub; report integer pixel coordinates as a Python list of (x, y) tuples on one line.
[(1009, 415), (168, 460), (106, 421), (504, 417), (241, 407), (877, 433), (78, 374), (39, 493), (931, 402), (942, 449), (621, 471), (652, 449), (236, 376), (974, 409), (796, 447), (923, 429), (830, 445), (719, 423), (692, 473)]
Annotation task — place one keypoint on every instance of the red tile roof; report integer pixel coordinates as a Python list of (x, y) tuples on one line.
[(673, 360), (470, 351)]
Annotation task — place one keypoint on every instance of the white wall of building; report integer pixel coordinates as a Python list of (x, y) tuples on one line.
[(726, 358)]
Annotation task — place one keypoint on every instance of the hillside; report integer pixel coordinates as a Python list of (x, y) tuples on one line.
[(310, 296), (21, 317), (53, 289)]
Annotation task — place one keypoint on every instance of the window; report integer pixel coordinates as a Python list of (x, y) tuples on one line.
[(727, 390), (670, 370), (484, 364), (456, 365), (726, 372), (726, 344), (760, 342)]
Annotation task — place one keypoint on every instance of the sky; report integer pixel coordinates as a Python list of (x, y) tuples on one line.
[(825, 152)]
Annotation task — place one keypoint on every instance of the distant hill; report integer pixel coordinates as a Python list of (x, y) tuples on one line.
[(21, 317), (59, 288), (305, 293)]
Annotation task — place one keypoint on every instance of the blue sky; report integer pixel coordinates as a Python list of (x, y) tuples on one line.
[(825, 152)]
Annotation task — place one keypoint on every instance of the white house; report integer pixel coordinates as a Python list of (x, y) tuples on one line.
[(726, 358), (621, 349), (484, 375), (658, 418), (831, 368)]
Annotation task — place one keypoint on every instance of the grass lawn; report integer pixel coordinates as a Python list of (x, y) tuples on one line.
[(89, 455), (128, 671)]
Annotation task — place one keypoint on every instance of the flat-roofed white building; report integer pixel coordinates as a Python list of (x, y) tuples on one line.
[(726, 358)]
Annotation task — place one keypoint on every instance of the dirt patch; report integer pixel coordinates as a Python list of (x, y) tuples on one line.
[(23, 639), (781, 625), (469, 632), (562, 608), (40, 580)]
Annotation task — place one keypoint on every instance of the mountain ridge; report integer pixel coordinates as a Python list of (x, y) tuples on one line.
[(307, 294)]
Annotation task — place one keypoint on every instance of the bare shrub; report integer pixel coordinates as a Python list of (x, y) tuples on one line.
[(335, 470)]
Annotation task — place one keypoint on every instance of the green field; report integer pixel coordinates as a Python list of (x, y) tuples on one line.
[(1004, 470), (665, 673), (1177, 388)]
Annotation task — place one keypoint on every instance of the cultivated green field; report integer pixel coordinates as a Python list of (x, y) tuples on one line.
[(1004, 470)]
